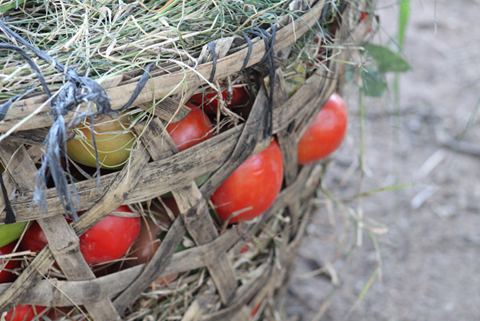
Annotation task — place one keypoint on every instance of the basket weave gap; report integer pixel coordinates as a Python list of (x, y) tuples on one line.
[(243, 295)]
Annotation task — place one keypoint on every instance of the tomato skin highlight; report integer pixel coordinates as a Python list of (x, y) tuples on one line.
[(5, 265), (112, 139), (24, 313), (192, 130), (210, 102), (252, 188), (326, 133), (107, 240)]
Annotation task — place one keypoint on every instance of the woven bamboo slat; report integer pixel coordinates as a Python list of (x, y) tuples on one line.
[(155, 168)]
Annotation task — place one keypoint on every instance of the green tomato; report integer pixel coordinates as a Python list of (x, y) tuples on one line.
[(11, 232)]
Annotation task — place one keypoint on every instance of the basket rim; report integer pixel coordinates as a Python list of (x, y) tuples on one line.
[(165, 85)]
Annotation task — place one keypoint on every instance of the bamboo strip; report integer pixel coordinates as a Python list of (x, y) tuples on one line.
[(53, 292)]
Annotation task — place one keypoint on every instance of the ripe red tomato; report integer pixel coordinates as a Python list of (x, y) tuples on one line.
[(247, 246), (113, 140), (8, 265), (107, 240), (252, 187), (34, 239), (110, 238), (145, 247), (210, 101), (24, 313), (193, 129), (326, 133)]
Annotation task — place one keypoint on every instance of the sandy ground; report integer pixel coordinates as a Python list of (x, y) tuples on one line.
[(426, 238)]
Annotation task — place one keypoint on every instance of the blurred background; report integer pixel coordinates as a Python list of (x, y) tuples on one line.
[(418, 254)]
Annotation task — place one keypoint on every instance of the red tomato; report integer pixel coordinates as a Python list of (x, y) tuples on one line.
[(24, 313), (210, 101), (247, 247), (193, 129), (146, 244), (34, 239), (9, 264), (145, 247), (252, 187), (326, 133), (110, 238), (107, 240)]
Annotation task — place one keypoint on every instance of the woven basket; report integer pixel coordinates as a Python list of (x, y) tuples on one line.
[(219, 295)]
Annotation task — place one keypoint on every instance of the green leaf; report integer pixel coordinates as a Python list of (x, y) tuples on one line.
[(202, 179), (402, 21), (373, 83), (386, 59)]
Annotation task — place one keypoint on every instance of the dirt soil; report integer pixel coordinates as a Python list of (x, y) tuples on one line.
[(425, 238)]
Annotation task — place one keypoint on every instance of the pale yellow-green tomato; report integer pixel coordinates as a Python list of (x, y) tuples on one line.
[(113, 139), (296, 82)]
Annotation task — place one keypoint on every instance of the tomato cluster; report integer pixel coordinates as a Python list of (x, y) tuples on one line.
[(133, 239), (208, 99)]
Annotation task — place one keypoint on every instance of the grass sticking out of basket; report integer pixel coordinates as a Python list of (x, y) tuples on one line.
[(111, 38)]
